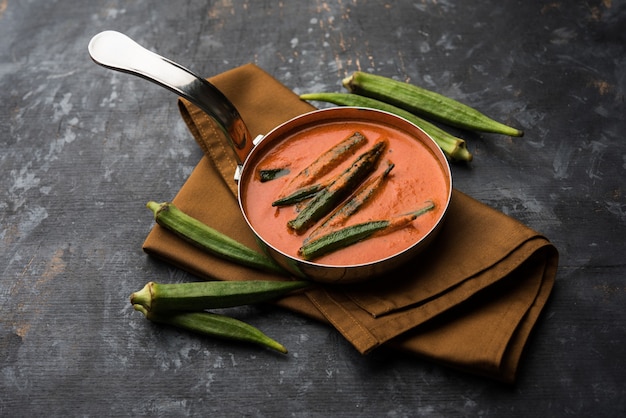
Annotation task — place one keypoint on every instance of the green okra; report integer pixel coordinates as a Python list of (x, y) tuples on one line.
[(269, 174), (327, 161), (454, 148), (201, 235), (352, 234), (425, 102), (214, 325), (197, 296), (326, 200), (299, 195), (361, 197)]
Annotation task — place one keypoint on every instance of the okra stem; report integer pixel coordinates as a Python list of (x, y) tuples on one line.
[(197, 296), (455, 148), (428, 103), (201, 235), (214, 325)]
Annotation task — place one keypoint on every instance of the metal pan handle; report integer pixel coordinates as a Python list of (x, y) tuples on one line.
[(117, 51)]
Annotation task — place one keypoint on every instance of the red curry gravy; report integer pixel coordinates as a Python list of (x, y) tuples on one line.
[(416, 178)]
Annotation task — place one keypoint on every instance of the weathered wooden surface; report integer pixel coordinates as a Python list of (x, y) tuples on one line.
[(82, 149)]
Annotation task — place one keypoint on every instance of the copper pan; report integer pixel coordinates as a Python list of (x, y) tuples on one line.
[(116, 51)]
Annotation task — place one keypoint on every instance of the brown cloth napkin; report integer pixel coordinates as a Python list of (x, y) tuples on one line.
[(469, 302)]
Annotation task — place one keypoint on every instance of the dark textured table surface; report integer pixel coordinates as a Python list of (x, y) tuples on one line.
[(83, 148)]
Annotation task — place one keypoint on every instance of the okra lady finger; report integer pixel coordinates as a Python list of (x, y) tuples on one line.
[(341, 238), (326, 162), (326, 200), (352, 234), (269, 174), (197, 296), (201, 235), (299, 195), (454, 148), (425, 102), (357, 201), (214, 325)]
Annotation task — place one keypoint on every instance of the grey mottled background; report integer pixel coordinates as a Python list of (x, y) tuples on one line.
[(82, 149)]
